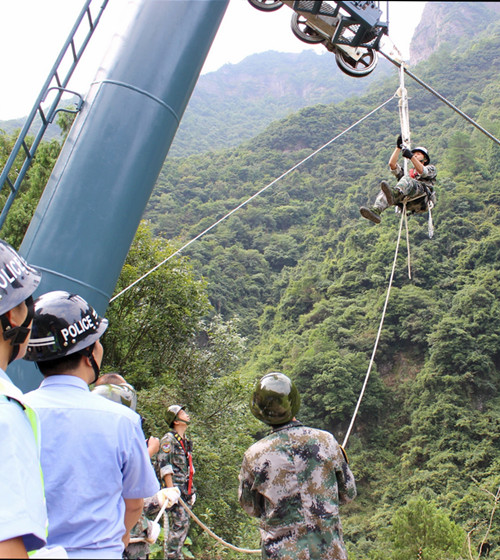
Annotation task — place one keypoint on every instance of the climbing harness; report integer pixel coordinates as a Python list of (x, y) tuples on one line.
[(189, 458)]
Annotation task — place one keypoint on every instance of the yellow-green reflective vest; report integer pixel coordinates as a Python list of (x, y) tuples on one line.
[(10, 391)]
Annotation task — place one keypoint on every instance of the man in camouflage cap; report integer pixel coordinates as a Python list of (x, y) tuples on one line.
[(294, 479), (176, 471)]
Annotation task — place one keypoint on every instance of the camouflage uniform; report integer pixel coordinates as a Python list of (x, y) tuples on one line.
[(173, 460), (294, 480), (141, 550), (410, 186)]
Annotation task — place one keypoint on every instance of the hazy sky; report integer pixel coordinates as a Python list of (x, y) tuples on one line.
[(32, 33)]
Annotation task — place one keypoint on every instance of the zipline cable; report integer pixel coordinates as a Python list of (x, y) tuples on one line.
[(442, 98), (367, 376), (249, 199)]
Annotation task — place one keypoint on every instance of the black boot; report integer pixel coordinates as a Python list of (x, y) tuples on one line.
[(372, 214), (386, 189)]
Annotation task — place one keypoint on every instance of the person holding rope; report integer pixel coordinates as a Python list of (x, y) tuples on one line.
[(145, 532), (417, 188), (176, 470), (294, 479)]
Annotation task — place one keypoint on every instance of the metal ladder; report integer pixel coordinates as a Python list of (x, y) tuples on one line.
[(53, 82)]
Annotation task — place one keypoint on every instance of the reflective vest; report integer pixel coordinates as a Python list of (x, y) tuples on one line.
[(10, 391)]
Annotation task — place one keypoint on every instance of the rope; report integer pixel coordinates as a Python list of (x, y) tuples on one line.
[(404, 118), (213, 535), (296, 166), (360, 398), (404, 114), (407, 238)]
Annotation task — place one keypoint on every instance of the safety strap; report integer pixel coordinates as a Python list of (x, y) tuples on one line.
[(190, 462), (404, 114)]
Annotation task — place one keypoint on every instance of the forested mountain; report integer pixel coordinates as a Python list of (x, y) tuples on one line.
[(450, 23), (306, 277), (238, 101)]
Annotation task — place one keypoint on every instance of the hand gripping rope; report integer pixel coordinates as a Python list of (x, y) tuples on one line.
[(200, 523)]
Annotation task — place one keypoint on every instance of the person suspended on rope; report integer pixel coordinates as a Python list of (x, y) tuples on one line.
[(417, 188), (176, 470), (294, 479)]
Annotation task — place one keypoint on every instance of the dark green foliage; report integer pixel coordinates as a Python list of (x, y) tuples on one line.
[(307, 277)]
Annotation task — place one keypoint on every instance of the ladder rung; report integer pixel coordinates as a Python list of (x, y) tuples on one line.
[(42, 114), (9, 182), (91, 23), (73, 50), (26, 149)]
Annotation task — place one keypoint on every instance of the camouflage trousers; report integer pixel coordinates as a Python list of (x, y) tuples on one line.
[(177, 531), (306, 543), (137, 551), (406, 187)]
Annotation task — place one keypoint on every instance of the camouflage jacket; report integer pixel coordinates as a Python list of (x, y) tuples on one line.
[(294, 480), (427, 177), (173, 460)]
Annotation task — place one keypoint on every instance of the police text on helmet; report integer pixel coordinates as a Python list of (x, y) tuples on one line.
[(79, 327), (11, 270)]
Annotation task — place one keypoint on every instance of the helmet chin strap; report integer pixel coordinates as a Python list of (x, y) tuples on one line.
[(17, 335), (89, 353)]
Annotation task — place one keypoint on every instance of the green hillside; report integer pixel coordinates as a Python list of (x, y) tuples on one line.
[(306, 277)]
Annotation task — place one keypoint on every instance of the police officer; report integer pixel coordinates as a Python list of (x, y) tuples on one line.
[(419, 181), (23, 517), (176, 470), (294, 479), (145, 532), (96, 466)]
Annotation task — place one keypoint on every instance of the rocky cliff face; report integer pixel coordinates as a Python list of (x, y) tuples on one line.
[(447, 22)]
